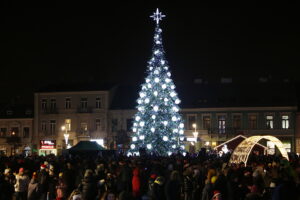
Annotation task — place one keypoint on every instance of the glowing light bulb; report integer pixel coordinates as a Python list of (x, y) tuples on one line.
[(156, 80), (174, 118), (149, 146), (153, 117), (134, 139), (142, 124), (177, 101), (137, 118), (155, 108), (152, 130), (165, 123), (181, 125), (132, 146), (162, 62), (172, 94), (155, 93), (142, 137), (164, 86), (165, 138), (147, 100), (167, 80)]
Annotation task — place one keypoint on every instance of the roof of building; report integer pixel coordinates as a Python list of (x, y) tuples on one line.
[(13, 111), (217, 95), (72, 87)]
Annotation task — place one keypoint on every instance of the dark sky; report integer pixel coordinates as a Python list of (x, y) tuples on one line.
[(45, 44)]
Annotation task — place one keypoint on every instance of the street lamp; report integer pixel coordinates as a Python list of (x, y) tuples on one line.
[(195, 133), (66, 135)]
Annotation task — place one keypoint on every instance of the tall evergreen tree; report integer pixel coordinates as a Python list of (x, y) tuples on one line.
[(158, 127)]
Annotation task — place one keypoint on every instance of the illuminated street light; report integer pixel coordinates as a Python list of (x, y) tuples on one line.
[(66, 135)]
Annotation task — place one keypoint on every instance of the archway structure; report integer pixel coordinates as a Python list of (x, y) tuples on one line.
[(243, 150)]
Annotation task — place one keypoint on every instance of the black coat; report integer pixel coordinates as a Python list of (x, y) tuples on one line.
[(88, 187), (173, 190)]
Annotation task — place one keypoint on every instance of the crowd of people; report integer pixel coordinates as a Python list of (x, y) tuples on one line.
[(191, 177)]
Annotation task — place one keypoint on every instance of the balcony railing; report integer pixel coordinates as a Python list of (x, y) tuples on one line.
[(50, 110), (84, 110)]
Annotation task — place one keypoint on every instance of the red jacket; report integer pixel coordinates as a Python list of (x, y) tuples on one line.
[(136, 183)]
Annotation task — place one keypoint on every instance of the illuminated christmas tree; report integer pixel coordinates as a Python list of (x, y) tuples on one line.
[(158, 127)]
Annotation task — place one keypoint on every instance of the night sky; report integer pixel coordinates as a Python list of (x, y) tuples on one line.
[(86, 42)]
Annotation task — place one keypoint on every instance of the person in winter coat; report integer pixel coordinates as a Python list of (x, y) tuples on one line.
[(43, 179), (33, 188), (188, 184), (61, 187), (136, 183), (173, 187), (158, 189), (21, 185), (7, 185), (88, 186)]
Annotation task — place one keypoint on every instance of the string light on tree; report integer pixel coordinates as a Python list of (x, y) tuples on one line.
[(158, 124)]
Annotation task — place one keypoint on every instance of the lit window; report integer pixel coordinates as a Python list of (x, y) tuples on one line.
[(191, 122), (269, 122), (68, 124), (285, 121), (221, 124)]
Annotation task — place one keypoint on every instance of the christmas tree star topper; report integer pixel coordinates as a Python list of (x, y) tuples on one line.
[(157, 16)]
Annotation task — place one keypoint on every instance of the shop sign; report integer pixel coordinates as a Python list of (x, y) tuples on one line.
[(48, 144)]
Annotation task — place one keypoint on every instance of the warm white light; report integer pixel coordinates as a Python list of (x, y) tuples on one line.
[(141, 108), (142, 124), (181, 132), (167, 80), (172, 94), (158, 42), (153, 116), (184, 153), (134, 139), (177, 101), (166, 99), (156, 80), (174, 118), (142, 137), (134, 129), (172, 87), (156, 72), (132, 146), (181, 138), (155, 93), (165, 123), (147, 100), (169, 74), (156, 52), (169, 153), (181, 125), (139, 101), (173, 146), (162, 62), (150, 68), (149, 146), (147, 80), (207, 143), (164, 86), (175, 109), (165, 138), (152, 130), (155, 108), (149, 85), (142, 94), (137, 118), (182, 146)]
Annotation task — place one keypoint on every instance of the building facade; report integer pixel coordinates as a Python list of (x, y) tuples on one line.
[(80, 115), (214, 126), (16, 130)]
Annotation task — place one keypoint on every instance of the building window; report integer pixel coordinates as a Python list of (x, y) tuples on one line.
[(44, 126), (83, 126), (98, 102), (252, 122), (114, 125), (26, 132), (221, 124), (269, 122), (52, 127), (68, 124), (15, 131), (129, 124), (68, 103), (98, 124), (83, 103), (285, 121), (44, 104), (236, 122), (206, 122), (52, 104), (3, 132), (191, 119)]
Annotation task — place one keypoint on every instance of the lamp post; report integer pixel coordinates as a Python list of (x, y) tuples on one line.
[(66, 135), (195, 133)]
